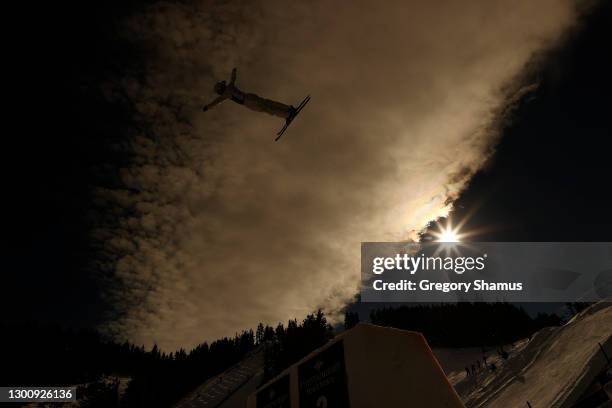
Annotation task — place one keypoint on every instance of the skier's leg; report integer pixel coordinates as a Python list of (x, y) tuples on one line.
[(269, 106)]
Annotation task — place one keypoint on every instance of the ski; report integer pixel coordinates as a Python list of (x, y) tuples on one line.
[(290, 119)]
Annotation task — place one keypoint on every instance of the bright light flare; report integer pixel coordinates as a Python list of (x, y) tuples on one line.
[(448, 236), (447, 233)]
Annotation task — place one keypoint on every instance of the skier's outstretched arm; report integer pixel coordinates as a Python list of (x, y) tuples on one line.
[(217, 101), (233, 78)]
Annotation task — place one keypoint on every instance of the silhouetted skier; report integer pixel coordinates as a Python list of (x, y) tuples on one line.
[(251, 101), (255, 102)]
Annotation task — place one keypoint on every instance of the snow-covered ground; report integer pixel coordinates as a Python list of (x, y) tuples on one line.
[(120, 382), (553, 369)]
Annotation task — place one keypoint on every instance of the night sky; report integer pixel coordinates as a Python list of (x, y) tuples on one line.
[(102, 230), (549, 179)]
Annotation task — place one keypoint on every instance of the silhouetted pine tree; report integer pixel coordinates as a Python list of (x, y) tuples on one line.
[(350, 319), (259, 334), (297, 340)]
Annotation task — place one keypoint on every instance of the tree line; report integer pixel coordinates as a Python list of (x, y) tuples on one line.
[(284, 346), (43, 355), (465, 324), (34, 354)]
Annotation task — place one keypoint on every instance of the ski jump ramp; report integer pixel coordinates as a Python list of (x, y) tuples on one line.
[(367, 366)]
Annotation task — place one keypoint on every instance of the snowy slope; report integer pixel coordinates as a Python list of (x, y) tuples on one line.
[(553, 369)]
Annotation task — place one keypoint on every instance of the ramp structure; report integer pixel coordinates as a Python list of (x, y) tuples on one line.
[(216, 391), (367, 366)]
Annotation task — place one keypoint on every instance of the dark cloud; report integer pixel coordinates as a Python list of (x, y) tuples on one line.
[(217, 227)]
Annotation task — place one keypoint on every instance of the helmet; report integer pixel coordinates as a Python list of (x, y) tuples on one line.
[(220, 87)]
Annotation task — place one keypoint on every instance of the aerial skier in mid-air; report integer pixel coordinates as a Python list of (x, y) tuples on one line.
[(255, 102)]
